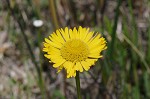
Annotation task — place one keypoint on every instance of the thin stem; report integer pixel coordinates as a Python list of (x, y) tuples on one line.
[(78, 85), (113, 35), (53, 13), (21, 24), (140, 54)]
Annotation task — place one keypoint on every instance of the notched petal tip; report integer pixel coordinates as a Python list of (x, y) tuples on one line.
[(80, 27), (66, 29), (50, 61)]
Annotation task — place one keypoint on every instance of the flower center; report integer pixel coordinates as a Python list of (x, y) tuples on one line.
[(75, 50)]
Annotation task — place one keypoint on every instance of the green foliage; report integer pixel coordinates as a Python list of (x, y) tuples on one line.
[(57, 94)]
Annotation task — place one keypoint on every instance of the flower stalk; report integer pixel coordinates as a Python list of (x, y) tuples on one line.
[(78, 85)]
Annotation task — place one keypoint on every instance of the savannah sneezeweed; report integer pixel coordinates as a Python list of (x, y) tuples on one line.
[(75, 50)]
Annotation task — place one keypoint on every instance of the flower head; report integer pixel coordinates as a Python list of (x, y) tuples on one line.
[(74, 50)]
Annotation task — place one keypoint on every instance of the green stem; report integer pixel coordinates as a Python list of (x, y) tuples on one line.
[(21, 23), (113, 35), (78, 85), (53, 13)]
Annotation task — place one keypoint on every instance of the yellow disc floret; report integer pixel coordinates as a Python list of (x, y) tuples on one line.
[(75, 50)]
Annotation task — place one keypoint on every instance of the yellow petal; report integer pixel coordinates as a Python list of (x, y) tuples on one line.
[(94, 39), (98, 49), (47, 56), (52, 43), (84, 33), (58, 63), (74, 34), (71, 34), (79, 67), (60, 36), (88, 37), (80, 32), (74, 75), (85, 65), (91, 61), (97, 43), (65, 33), (71, 73), (95, 56), (68, 65), (54, 38)]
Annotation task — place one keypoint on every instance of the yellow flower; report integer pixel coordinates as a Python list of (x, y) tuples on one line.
[(74, 50)]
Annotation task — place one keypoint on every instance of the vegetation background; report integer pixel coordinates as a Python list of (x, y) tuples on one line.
[(123, 72)]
